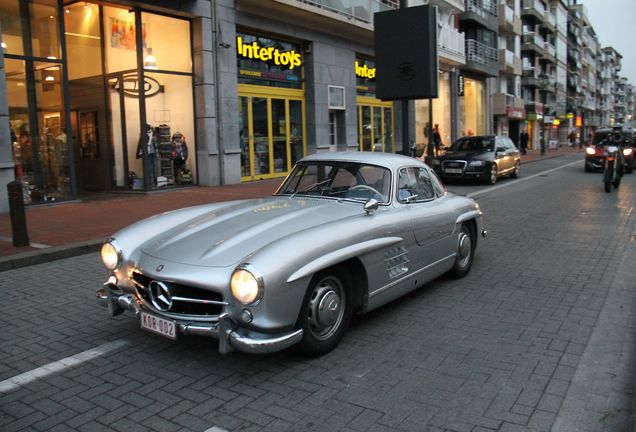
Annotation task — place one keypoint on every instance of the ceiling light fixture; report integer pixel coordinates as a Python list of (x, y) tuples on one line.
[(150, 62)]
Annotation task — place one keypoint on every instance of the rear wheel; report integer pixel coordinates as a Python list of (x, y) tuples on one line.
[(326, 312), (515, 173), (465, 252)]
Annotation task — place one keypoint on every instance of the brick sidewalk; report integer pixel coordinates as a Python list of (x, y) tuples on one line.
[(94, 219)]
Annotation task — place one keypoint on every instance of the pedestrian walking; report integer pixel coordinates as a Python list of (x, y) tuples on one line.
[(523, 142), (437, 139)]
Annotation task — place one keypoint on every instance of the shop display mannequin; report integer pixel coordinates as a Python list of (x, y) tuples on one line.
[(179, 152), (148, 139)]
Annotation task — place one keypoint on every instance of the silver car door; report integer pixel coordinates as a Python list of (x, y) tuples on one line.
[(433, 222)]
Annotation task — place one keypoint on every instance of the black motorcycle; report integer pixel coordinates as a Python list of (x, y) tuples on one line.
[(613, 165)]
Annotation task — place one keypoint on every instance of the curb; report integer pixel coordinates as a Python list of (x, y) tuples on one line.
[(26, 259)]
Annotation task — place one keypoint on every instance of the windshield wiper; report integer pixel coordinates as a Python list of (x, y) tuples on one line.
[(310, 187)]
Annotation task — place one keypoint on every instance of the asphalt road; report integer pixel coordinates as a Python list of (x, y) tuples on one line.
[(539, 336)]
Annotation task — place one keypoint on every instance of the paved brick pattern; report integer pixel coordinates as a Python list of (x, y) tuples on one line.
[(495, 351)]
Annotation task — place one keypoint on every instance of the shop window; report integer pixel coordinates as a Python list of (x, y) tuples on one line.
[(45, 38), (441, 115), (472, 108), (121, 45), (52, 182), (166, 43), (169, 113), (11, 25), (83, 41), (333, 128), (21, 139)]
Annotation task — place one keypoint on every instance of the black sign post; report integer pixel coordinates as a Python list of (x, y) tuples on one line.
[(406, 58), (18, 217)]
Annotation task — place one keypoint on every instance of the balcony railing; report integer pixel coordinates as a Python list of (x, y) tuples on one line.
[(534, 5), (550, 18), (477, 52), (482, 8), (361, 10), (452, 43), (550, 49)]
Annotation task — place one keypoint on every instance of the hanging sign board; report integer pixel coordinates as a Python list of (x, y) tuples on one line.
[(406, 53)]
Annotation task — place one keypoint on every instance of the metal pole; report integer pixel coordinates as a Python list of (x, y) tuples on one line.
[(406, 147)]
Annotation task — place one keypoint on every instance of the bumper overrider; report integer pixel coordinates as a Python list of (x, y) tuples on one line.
[(230, 335)]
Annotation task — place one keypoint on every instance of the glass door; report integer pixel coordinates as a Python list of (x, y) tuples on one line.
[(271, 134), (375, 123)]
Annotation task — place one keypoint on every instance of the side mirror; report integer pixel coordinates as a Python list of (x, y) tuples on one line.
[(371, 205)]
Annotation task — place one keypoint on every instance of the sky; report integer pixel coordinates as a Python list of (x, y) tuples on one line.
[(614, 22)]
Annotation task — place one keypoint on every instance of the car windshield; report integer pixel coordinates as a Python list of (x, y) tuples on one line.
[(338, 180), (477, 144)]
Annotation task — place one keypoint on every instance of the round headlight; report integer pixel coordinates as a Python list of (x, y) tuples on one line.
[(590, 151), (111, 255), (627, 151), (246, 288)]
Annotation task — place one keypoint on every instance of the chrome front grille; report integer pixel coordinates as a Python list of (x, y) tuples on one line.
[(184, 301), (454, 164)]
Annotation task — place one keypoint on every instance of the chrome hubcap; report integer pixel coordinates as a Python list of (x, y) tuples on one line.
[(464, 249), (326, 308)]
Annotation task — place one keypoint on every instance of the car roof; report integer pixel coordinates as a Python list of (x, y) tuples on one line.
[(388, 160)]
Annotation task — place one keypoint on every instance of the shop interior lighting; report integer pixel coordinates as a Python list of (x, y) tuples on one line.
[(49, 78), (150, 62)]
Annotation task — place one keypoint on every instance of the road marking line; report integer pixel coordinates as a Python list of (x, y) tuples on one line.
[(58, 366), (522, 179), (215, 429)]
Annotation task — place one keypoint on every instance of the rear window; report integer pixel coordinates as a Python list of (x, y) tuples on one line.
[(601, 136)]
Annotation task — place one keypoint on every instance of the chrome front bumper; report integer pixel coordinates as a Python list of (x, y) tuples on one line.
[(229, 334)]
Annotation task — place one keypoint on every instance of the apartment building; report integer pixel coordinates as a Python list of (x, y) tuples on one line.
[(507, 105), (583, 50), (533, 59), (480, 25)]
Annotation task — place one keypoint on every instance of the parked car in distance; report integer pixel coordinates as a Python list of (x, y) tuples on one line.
[(345, 233), (595, 153), (479, 157)]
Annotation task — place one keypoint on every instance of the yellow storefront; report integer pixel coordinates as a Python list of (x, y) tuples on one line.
[(375, 117), (271, 106)]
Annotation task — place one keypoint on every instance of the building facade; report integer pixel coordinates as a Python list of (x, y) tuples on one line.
[(135, 96), (100, 94), (507, 105)]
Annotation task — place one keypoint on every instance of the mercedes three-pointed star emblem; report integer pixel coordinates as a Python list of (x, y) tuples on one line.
[(160, 295)]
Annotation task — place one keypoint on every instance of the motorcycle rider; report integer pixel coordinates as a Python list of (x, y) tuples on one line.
[(616, 138)]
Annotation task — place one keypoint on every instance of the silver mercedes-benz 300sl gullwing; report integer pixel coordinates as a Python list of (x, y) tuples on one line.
[(344, 234)]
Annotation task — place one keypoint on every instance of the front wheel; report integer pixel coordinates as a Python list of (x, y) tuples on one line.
[(326, 312), (465, 252), (608, 186), (491, 178)]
